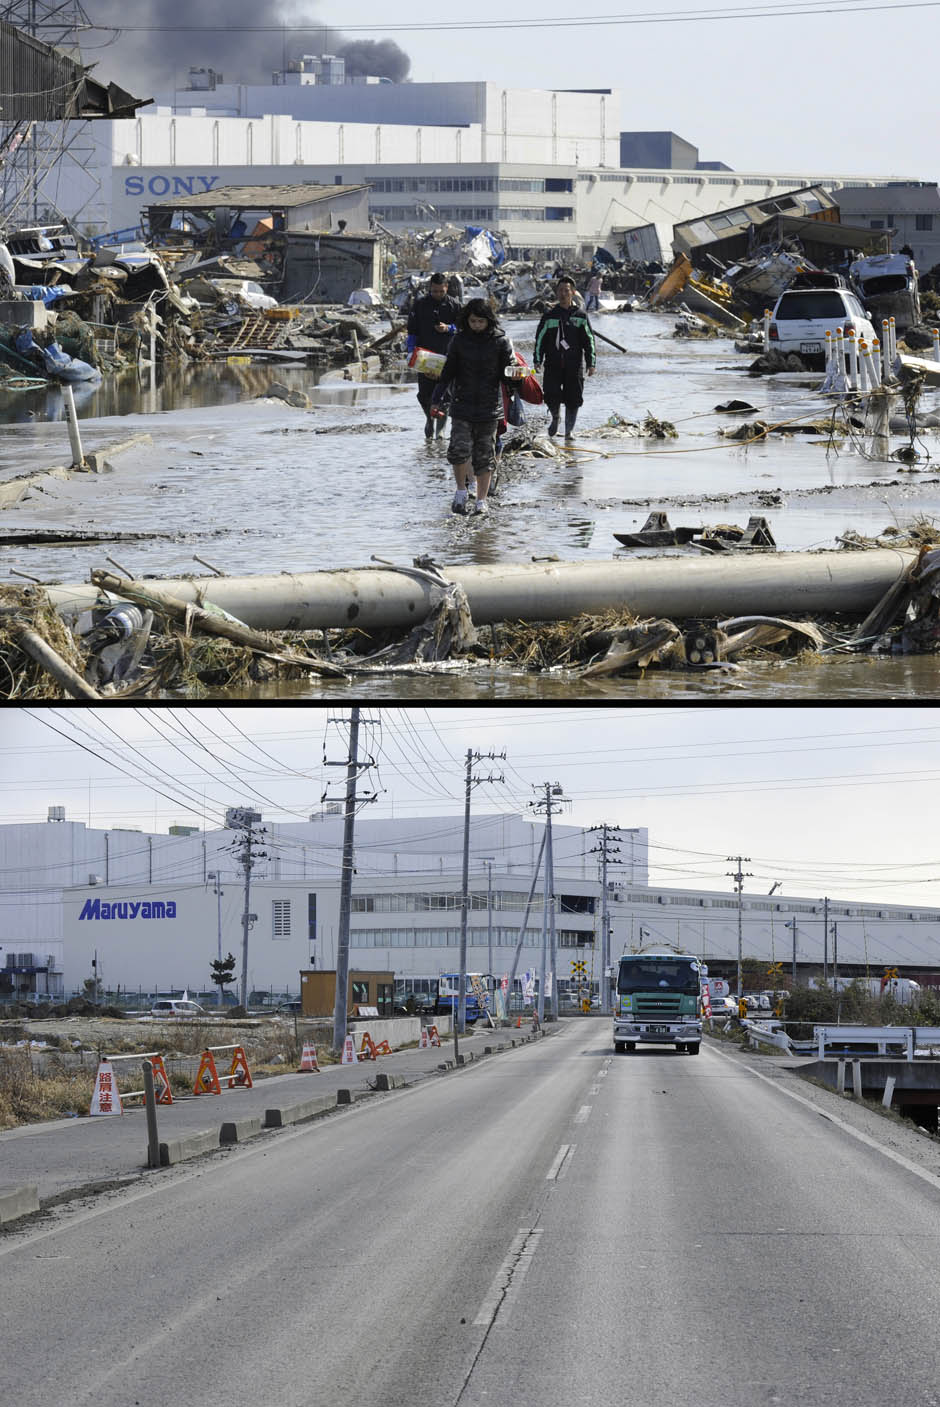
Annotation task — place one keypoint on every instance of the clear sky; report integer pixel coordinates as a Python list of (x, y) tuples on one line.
[(826, 800), (824, 86)]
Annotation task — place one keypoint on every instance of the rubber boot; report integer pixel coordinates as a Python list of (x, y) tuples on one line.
[(553, 423), (571, 417)]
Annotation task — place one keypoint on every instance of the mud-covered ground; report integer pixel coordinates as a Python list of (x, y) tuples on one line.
[(256, 486)]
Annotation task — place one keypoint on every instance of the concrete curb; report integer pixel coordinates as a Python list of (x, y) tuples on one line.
[(237, 1130), (18, 1201), (15, 490), (190, 1145), (296, 1113), (385, 1081)]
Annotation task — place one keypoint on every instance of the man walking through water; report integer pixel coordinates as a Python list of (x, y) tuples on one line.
[(564, 342), (432, 322)]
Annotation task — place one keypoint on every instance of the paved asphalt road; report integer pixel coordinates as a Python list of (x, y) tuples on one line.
[(556, 1226)]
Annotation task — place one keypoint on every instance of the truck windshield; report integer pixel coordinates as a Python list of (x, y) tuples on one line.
[(645, 976)]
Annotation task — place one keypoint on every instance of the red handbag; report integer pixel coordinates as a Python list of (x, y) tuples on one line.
[(529, 390)]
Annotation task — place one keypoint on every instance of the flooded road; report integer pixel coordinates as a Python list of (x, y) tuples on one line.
[(251, 485)]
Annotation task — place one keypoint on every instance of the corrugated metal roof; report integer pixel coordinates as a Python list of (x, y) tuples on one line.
[(256, 197)]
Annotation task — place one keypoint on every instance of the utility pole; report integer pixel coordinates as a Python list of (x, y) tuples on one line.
[(607, 850), (241, 819), (826, 940), (460, 1011), (552, 801), (792, 924), (739, 876), (216, 876), (488, 862), (353, 768), (835, 952)]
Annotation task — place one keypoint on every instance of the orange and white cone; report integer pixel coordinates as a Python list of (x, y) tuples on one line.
[(308, 1061)]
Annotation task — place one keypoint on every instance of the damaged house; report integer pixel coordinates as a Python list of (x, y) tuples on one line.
[(309, 243)]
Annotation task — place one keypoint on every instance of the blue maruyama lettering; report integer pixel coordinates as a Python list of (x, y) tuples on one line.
[(128, 909)]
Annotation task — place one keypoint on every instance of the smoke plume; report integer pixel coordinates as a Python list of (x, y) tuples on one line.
[(163, 41)]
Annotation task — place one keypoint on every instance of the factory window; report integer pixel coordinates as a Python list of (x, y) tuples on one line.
[(280, 927), (923, 222)]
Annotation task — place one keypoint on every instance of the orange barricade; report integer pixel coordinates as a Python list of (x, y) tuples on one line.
[(349, 1052), (208, 1079), (367, 1049), (423, 1043), (433, 1037), (383, 1048)]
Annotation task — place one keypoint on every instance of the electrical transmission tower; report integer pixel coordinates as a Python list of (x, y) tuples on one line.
[(47, 158)]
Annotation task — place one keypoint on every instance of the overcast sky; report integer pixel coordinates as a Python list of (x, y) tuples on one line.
[(801, 89), (825, 800)]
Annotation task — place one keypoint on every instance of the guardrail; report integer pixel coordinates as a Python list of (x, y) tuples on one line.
[(906, 1038)]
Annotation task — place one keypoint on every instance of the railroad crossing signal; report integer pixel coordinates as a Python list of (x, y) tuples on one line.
[(891, 972), (775, 969), (579, 969)]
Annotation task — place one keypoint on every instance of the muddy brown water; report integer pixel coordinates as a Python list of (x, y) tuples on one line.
[(252, 486)]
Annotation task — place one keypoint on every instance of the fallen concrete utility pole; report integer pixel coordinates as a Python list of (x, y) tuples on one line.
[(376, 598)]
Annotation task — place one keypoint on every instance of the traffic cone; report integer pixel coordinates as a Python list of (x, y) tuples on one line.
[(308, 1061), (349, 1052)]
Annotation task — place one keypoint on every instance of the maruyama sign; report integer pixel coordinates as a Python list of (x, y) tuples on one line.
[(169, 185), (128, 908)]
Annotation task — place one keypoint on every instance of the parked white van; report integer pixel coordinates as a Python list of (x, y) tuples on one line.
[(174, 1007)]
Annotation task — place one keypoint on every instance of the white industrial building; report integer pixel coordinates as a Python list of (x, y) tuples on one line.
[(155, 910), (541, 167)]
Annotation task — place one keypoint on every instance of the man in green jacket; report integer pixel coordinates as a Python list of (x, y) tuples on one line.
[(564, 342)]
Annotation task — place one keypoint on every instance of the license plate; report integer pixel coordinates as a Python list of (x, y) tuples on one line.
[(810, 347), (657, 1030)]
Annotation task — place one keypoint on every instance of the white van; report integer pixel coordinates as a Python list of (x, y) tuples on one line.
[(174, 1007)]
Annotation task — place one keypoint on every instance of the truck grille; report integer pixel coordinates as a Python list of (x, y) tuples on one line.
[(651, 1005)]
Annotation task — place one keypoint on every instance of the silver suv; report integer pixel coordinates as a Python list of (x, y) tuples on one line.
[(803, 316)]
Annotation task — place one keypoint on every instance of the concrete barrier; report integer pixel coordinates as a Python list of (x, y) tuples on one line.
[(237, 1130), (296, 1113), (190, 1145), (18, 1201), (386, 1081), (350, 1096)]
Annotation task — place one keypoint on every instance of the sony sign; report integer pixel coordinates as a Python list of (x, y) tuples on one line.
[(129, 908), (169, 185)]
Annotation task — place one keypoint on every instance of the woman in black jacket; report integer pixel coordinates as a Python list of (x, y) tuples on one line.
[(476, 369)]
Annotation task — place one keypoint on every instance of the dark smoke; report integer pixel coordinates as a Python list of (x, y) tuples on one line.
[(378, 58), (152, 63)]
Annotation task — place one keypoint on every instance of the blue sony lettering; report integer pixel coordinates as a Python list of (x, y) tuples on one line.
[(92, 909), (158, 185), (183, 185), (133, 185), (207, 181)]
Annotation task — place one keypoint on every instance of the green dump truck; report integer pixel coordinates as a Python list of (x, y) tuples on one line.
[(658, 1000)]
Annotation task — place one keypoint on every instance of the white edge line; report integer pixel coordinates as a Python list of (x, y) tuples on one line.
[(898, 1158)]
